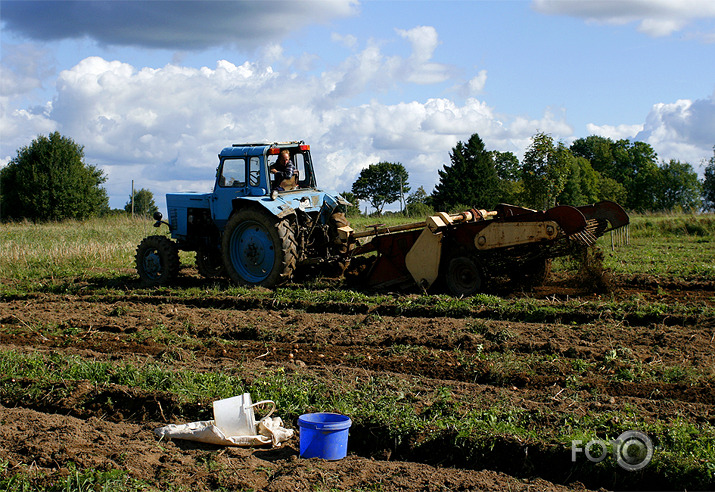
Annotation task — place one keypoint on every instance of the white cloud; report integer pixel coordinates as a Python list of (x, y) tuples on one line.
[(683, 130), (661, 27), (654, 17), (371, 70), (553, 122), (617, 132), (418, 68), (164, 126), (476, 84), (24, 68), (19, 126), (424, 41), (347, 40), (358, 73)]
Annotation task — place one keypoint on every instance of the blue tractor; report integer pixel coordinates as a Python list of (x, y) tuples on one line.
[(256, 227)]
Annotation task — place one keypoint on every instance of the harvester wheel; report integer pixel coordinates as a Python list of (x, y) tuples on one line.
[(157, 260), (532, 274), (464, 277), (210, 263), (258, 249)]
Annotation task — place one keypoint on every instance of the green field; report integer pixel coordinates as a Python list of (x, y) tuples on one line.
[(45, 255), (497, 382)]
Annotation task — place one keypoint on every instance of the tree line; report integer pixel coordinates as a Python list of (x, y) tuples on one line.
[(49, 180), (590, 170)]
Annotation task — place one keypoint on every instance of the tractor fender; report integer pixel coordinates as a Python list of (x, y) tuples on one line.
[(286, 204), (306, 200), (277, 208)]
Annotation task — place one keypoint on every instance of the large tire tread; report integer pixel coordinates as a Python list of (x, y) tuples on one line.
[(281, 235), (464, 276), (290, 249), (157, 260)]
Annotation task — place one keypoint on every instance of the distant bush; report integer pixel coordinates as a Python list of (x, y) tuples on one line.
[(49, 180), (685, 225), (418, 210)]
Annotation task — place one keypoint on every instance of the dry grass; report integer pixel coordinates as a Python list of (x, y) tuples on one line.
[(30, 250)]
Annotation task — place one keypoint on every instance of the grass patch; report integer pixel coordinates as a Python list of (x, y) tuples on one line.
[(76, 480), (34, 376), (94, 259), (37, 257), (70, 248), (468, 427)]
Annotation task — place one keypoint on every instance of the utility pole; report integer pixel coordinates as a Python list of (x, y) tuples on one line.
[(402, 196), (132, 199)]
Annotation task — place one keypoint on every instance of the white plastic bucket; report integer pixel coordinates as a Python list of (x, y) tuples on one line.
[(235, 415)]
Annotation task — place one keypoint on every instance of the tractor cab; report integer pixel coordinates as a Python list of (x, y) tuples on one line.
[(244, 173), (245, 168)]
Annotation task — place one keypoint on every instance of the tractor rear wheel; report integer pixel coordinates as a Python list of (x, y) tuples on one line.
[(157, 260), (464, 277), (258, 249)]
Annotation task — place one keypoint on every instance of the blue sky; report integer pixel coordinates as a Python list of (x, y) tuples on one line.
[(154, 89)]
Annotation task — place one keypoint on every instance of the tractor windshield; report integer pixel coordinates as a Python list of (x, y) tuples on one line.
[(303, 164), (233, 173)]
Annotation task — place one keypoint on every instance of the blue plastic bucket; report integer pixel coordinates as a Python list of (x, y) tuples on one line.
[(324, 435)]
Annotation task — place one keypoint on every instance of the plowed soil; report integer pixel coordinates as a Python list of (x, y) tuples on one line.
[(111, 427)]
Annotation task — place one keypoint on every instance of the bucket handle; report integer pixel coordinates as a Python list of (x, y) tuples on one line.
[(262, 402)]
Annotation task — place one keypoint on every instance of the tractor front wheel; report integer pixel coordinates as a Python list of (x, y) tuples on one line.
[(157, 260), (258, 249)]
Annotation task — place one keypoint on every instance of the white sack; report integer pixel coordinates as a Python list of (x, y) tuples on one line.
[(271, 431)]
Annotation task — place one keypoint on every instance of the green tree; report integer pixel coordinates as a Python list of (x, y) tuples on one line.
[(545, 170), (678, 186), (48, 180), (418, 204), (637, 170), (144, 205), (582, 183), (509, 172), (633, 165), (471, 180), (506, 165), (598, 151), (709, 184), (418, 196), (381, 184), (353, 210), (610, 189)]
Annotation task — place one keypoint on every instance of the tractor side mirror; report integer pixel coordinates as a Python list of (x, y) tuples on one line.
[(157, 218)]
